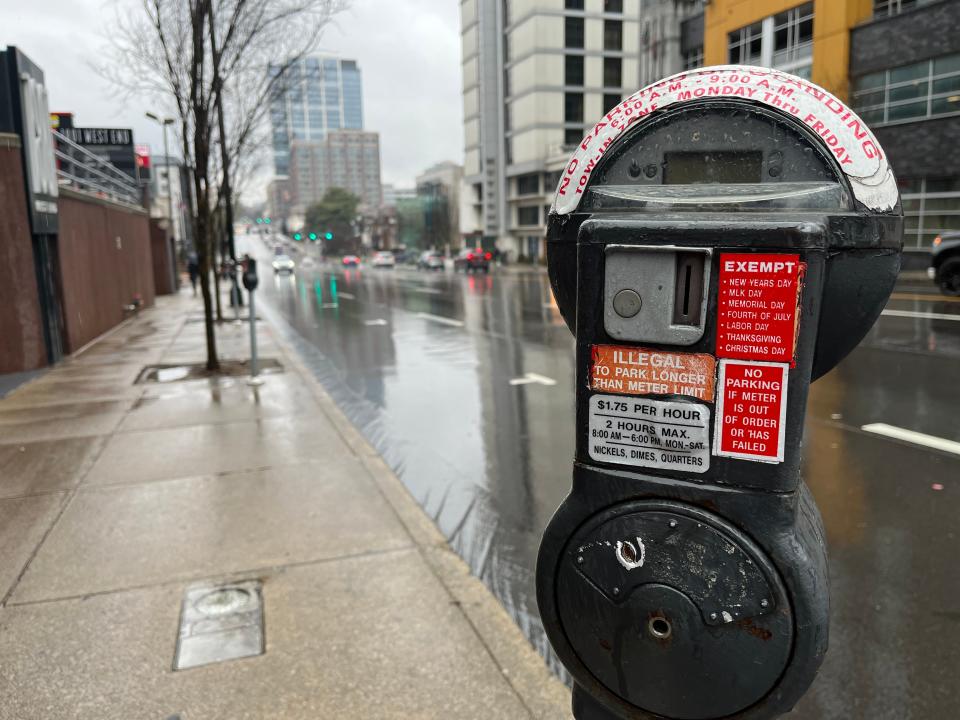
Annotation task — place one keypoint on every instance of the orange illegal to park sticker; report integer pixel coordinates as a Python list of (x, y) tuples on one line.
[(641, 371)]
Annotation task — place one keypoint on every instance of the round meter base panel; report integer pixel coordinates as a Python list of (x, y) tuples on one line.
[(674, 610)]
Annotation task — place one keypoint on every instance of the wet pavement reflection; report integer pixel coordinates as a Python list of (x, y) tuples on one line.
[(449, 377)]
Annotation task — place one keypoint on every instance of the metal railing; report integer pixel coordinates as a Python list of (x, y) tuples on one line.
[(79, 168)]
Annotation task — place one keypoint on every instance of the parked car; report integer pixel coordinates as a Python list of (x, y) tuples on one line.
[(430, 261), (283, 264), (471, 260), (383, 259), (944, 267), (351, 260)]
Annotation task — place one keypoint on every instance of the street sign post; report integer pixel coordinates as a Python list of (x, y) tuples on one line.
[(718, 241)]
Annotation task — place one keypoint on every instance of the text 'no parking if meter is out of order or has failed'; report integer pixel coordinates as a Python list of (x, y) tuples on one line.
[(718, 241)]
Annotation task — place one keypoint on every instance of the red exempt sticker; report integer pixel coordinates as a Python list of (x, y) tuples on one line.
[(751, 410), (759, 306)]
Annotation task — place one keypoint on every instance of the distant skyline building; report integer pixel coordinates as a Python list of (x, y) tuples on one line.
[(348, 159), (315, 96)]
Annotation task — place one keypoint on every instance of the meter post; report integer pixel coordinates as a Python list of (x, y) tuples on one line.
[(250, 282), (718, 241)]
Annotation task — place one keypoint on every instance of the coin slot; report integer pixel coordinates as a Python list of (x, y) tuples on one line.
[(688, 295)]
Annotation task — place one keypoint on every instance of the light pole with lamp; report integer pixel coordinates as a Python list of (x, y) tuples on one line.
[(164, 122)]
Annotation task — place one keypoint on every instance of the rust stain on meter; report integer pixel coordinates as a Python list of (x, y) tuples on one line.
[(641, 371), (758, 306)]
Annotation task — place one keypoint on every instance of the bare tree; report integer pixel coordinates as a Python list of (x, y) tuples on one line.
[(216, 63)]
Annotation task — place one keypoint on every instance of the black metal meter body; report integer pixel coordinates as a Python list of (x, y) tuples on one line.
[(718, 241), (250, 277)]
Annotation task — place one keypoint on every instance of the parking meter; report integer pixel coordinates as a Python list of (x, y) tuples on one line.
[(719, 240), (250, 278)]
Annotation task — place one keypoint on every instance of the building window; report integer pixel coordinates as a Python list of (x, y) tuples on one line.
[(612, 72), (612, 35), (572, 136), (613, 6), (692, 59), (573, 4), (886, 8), (573, 107), (793, 40), (528, 184), (745, 44), (528, 215), (931, 206), (573, 70), (910, 92), (783, 41), (573, 32), (610, 101)]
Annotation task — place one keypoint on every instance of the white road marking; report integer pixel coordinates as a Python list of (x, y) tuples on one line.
[(912, 436), (440, 319), (429, 291), (533, 378), (327, 306), (378, 321), (916, 314), (348, 296)]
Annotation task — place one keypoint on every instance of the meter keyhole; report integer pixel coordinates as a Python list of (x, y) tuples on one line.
[(660, 628)]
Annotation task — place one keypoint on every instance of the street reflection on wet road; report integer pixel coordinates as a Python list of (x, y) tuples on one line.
[(449, 377)]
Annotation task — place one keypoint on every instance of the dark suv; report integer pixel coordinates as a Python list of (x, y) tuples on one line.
[(471, 260), (944, 267)]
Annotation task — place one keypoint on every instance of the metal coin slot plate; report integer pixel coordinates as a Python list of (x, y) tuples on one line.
[(661, 597), (220, 622), (672, 283)]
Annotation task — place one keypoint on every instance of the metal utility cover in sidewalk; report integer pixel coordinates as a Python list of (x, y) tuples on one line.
[(220, 622)]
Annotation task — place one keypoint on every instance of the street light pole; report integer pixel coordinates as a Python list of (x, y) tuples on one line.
[(166, 162)]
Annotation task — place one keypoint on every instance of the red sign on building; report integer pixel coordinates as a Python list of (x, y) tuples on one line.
[(758, 306), (751, 410)]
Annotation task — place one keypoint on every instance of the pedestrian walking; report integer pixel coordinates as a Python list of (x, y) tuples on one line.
[(193, 268)]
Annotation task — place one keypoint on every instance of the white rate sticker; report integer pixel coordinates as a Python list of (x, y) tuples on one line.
[(649, 433)]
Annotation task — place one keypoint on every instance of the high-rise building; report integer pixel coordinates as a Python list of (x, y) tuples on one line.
[(439, 185), (897, 62), (348, 159), (536, 75), (314, 96)]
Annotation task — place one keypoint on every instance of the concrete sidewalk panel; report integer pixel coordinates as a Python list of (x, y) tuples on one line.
[(210, 449), (31, 468), (61, 420), (218, 400), (371, 637), (23, 522), (133, 535)]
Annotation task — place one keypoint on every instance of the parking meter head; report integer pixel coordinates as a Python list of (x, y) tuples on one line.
[(250, 278), (733, 145), (717, 241)]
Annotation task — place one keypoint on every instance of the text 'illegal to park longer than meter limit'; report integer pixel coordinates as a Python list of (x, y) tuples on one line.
[(649, 433)]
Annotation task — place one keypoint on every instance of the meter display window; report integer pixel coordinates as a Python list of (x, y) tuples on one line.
[(724, 166)]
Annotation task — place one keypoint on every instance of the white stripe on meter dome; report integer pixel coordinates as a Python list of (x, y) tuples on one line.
[(840, 130)]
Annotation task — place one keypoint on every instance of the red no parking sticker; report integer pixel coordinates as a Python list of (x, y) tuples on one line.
[(751, 410)]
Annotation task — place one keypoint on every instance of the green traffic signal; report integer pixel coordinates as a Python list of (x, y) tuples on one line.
[(313, 236), (328, 236), (267, 220), (259, 220), (298, 237)]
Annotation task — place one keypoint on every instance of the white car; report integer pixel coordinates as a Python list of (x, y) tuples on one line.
[(283, 263), (384, 259)]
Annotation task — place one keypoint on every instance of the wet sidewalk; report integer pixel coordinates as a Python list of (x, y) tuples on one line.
[(118, 497)]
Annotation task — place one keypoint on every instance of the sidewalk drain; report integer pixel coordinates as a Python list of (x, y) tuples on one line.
[(198, 371), (220, 622)]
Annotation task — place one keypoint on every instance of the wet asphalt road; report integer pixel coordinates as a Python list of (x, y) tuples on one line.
[(464, 384)]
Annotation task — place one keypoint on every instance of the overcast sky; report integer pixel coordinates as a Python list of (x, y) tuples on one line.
[(408, 51)]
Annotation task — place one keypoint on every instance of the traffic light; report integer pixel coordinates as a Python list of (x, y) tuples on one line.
[(266, 220), (313, 237), (298, 237), (328, 236), (259, 221)]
